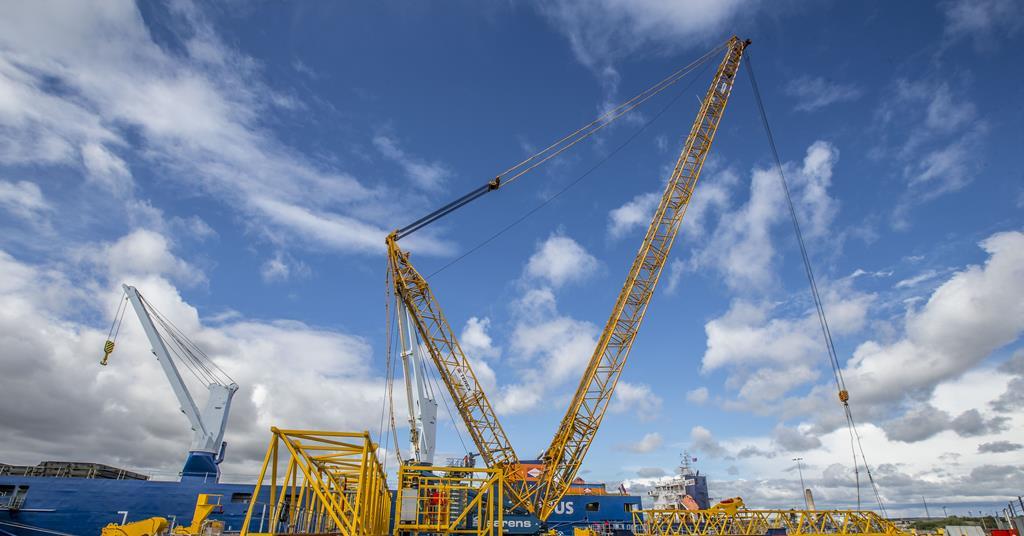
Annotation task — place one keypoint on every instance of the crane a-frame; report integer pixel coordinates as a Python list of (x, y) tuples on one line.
[(565, 454)]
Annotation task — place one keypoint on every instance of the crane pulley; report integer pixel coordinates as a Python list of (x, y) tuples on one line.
[(564, 456)]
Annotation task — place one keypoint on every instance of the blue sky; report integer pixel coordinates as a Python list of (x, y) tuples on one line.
[(241, 164)]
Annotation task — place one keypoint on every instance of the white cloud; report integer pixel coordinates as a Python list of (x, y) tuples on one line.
[(981, 20), (476, 341), (635, 214), (107, 169), (560, 260), (794, 439), (45, 339), (698, 395), (917, 279), (196, 115), (23, 199), (966, 318), (765, 355), (426, 175), (703, 441), (603, 31), (636, 399), (813, 93), (282, 267), (650, 442), (137, 255), (741, 247)]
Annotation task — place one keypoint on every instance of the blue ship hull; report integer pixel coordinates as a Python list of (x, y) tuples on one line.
[(83, 506)]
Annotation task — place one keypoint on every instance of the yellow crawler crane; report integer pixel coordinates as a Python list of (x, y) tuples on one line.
[(320, 482), (736, 520), (564, 456)]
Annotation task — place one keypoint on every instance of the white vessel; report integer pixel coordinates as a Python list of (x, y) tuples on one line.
[(687, 490)]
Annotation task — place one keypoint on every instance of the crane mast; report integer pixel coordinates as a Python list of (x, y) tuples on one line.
[(565, 454), (455, 370), (580, 424)]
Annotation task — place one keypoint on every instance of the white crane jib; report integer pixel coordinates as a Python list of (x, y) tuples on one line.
[(208, 444), (418, 393)]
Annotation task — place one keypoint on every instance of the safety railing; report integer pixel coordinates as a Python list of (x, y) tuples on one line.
[(449, 500), (317, 482)]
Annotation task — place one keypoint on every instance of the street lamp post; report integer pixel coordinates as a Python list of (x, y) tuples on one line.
[(803, 487)]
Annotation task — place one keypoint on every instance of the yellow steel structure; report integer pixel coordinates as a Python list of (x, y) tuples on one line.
[(727, 522), (449, 500), (563, 457), (147, 527), (206, 504), (454, 368), (579, 426), (321, 482)]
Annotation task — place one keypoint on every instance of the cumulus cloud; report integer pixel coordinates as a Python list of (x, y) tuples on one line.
[(768, 354), (741, 247), (636, 213), (794, 439), (475, 339), (999, 446), (702, 440), (637, 400), (964, 320), (813, 93), (648, 443), (698, 395), (560, 260), (327, 384), (650, 472)]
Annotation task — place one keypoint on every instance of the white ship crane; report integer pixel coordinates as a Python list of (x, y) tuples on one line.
[(418, 392), (171, 346)]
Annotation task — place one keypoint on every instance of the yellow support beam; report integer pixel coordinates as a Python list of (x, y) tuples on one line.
[(726, 522), (332, 483)]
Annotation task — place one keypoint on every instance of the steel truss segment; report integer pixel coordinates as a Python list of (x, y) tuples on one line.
[(331, 482), (580, 424), (457, 373), (757, 522)]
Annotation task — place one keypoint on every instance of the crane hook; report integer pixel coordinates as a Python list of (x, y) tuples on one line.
[(108, 347)]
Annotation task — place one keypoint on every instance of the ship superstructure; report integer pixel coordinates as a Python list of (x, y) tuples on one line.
[(686, 490)]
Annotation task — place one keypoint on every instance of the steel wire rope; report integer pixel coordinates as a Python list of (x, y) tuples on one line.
[(560, 146), (576, 181), (837, 372), (191, 350), (115, 326)]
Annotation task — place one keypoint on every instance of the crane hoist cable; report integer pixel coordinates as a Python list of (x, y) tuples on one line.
[(837, 371), (559, 146), (578, 179)]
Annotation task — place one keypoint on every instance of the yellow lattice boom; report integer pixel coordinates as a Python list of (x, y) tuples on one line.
[(449, 500), (315, 482), (722, 522)]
